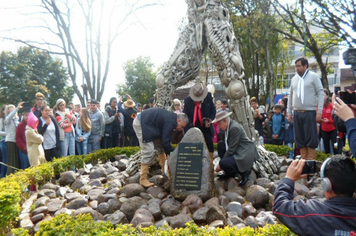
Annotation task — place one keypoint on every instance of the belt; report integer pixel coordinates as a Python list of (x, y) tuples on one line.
[(300, 111)]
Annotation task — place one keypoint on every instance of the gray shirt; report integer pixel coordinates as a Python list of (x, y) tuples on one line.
[(97, 123), (313, 94)]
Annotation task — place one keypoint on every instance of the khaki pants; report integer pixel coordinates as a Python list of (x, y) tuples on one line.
[(148, 148)]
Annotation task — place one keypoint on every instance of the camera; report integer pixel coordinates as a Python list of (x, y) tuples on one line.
[(309, 167), (348, 98)]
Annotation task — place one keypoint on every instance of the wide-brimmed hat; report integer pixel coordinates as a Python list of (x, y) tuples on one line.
[(198, 92), (221, 115), (129, 103)]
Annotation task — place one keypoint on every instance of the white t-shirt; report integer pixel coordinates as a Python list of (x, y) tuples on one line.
[(49, 137)]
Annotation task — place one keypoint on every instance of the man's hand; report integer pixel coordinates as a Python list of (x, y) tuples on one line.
[(295, 169), (117, 114), (290, 118), (100, 138), (342, 110), (318, 118)]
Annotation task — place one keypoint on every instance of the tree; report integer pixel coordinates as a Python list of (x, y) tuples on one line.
[(297, 23), (85, 31), (140, 80), (260, 47), (336, 17), (29, 71)]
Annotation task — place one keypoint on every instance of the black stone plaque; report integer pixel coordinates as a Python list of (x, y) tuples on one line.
[(189, 166)]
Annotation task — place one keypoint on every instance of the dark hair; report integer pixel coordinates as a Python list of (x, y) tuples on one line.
[(152, 100), (326, 103), (224, 102), (285, 102), (342, 175), (111, 99), (146, 106), (43, 107), (303, 60), (139, 105)]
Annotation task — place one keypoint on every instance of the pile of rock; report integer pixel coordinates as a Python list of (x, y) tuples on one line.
[(108, 193)]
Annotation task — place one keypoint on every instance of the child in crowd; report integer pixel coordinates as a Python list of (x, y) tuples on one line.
[(267, 129), (277, 124), (34, 141)]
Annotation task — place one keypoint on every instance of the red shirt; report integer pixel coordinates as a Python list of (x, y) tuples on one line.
[(21, 137), (327, 111)]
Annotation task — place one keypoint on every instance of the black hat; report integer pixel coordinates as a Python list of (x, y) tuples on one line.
[(27, 107)]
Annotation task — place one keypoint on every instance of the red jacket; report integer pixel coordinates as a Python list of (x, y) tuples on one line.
[(20, 137), (327, 114)]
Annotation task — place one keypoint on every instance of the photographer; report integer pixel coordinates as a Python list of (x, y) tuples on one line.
[(344, 112), (334, 216)]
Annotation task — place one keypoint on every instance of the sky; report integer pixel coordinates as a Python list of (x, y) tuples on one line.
[(153, 32)]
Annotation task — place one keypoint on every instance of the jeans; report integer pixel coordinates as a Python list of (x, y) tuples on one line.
[(291, 153), (24, 162), (68, 144), (82, 147), (93, 143), (4, 159)]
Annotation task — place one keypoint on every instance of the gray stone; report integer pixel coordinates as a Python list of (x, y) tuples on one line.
[(88, 210), (257, 195), (161, 223), (300, 188), (234, 197), (114, 204), (104, 208), (251, 221), (71, 196), (39, 210), (46, 192), (55, 204), (77, 184), (215, 213), (170, 208), (266, 217), (315, 192), (129, 207), (155, 200), (42, 201), (283, 169), (113, 191), (224, 201), (26, 224), (147, 196), (199, 215), (248, 210), (212, 202), (67, 178), (132, 190), (117, 217), (193, 203), (105, 197), (50, 186), (61, 191), (134, 179), (179, 221), (97, 173), (263, 182), (240, 226), (77, 203), (193, 135), (216, 224), (94, 193), (93, 204), (234, 219), (37, 217), (111, 170), (234, 207), (154, 191), (159, 180), (95, 183), (155, 210), (231, 184), (115, 183), (63, 211), (271, 187), (142, 216)]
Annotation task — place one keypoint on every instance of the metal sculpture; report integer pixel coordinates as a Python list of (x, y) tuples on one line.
[(209, 27)]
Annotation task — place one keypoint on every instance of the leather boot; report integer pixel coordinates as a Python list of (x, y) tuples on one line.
[(304, 153), (162, 161), (245, 178), (311, 154), (143, 177)]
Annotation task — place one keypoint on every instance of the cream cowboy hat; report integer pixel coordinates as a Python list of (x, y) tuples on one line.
[(221, 115), (129, 103), (198, 92)]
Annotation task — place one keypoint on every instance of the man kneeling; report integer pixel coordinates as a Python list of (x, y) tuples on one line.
[(239, 152)]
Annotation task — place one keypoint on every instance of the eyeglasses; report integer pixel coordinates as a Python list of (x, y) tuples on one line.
[(61, 105), (176, 105)]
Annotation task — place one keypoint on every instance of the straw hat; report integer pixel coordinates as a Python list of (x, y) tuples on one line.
[(221, 115), (198, 92), (129, 103)]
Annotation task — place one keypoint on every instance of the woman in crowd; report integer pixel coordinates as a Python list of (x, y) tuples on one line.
[(65, 122), (328, 130), (177, 135), (49, 129), (83, 129), (3, 144), (34, 142), (11, 123), (21, 141)]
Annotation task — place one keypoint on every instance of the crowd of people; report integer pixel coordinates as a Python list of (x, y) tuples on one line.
[(31, 135)]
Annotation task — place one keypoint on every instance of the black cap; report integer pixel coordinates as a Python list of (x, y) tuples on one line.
[(27, 107)]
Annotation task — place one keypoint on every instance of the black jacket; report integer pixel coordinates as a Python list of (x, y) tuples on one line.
[(158, 123), (42, 129), (336, 216), (207, 111), (129, 116)]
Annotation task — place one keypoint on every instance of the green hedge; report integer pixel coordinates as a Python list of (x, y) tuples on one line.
[(12, 187), (84, 225)]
